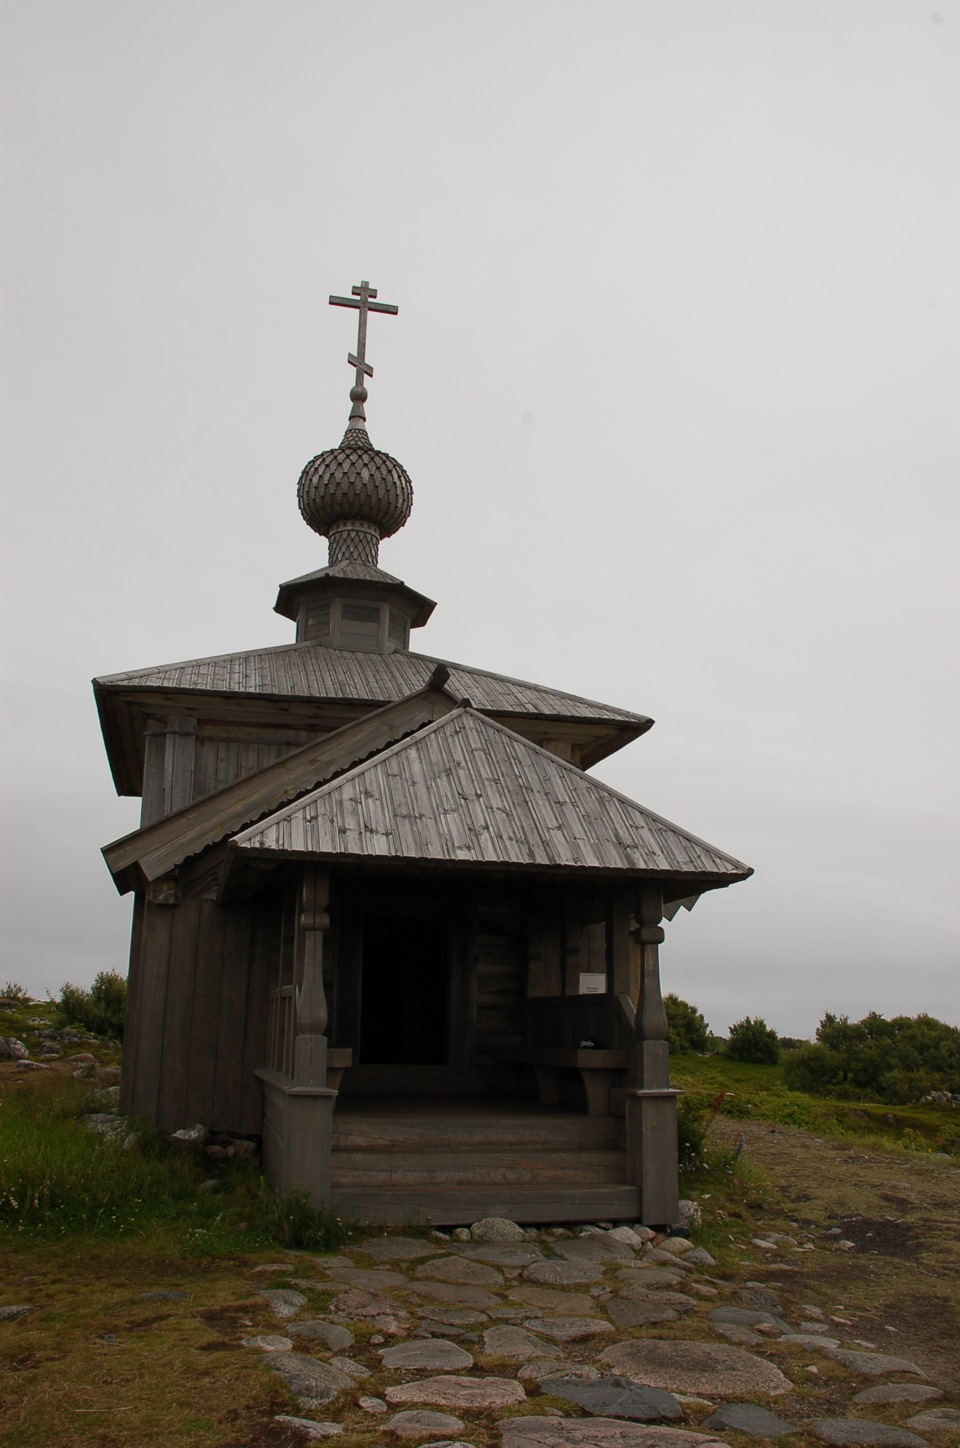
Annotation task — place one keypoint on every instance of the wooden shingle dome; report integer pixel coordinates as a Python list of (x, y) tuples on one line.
[(354, 495)]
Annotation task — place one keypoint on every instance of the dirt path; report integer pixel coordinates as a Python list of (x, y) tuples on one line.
[(900, 1282)]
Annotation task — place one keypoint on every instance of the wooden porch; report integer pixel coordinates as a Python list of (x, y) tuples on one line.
[(446, 1160), (568, 1116)]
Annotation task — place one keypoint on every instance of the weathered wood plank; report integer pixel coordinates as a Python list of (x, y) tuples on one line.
[(178, 1011), (131, 1029), (262, 964), (465, 1204), (228, 1074), (202, 1057), (145, 1068)]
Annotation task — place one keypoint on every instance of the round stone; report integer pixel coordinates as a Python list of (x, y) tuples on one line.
[(435, 1354), (597, 1433), (315, 1329), (496, 1229), (751, 1419), (850, 1432), (710, 1369), (874, 1364), (422, 1423), (476, 1394), (459, 1270), (563, 1274), (899, 1393), (615, 1398), (568, 1329), (514, 1343)]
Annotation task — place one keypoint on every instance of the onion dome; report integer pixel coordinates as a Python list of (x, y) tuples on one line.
[(355, 495)]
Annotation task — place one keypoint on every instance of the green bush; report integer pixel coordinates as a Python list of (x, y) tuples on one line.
[(14, 992), (895, 1061), (754, 1041), (686, 1028), (100, 1009), (811, 1067)]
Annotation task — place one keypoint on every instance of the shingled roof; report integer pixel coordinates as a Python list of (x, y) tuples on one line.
[(310, 671), (301, 676), (468, 791)]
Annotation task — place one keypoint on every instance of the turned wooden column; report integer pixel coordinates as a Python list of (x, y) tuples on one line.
[(651, 1103), (310, 1014), (298, 1112)]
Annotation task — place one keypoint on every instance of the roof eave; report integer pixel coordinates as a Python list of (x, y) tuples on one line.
[(237, 857)]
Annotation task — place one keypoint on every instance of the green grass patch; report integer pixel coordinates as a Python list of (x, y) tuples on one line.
[(758, 1092), (59, 1179)]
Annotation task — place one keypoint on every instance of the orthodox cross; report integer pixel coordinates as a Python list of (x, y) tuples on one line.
[(364, 301)]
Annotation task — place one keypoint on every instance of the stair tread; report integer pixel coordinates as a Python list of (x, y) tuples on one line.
[(543, 1202)]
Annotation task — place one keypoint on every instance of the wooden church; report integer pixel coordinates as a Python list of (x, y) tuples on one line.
[(385, 920)]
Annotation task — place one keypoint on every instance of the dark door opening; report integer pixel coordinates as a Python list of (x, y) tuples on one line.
[(404, 991)]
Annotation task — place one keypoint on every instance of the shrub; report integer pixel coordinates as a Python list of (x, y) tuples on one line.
[(100, 1009), (686, 1028), (693, 1122), (14, 992), (811, 1067), (753, 1041), (897, 1061)]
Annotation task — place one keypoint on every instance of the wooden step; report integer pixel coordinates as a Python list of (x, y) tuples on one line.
[(459, 1206), (369, 1169), (446, 1133)]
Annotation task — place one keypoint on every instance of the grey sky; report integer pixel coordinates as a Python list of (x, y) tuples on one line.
[(675, 376)]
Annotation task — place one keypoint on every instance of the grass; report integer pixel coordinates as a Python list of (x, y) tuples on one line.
[(758, 1093), (59, 1180)]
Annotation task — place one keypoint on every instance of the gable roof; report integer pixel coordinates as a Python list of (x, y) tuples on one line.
[(151, 851), (468, 791)]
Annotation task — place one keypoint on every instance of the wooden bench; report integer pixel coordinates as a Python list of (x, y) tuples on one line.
[(339, 1059), (596, 1069)]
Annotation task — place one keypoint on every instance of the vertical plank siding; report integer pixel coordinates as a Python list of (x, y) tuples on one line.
[(228, 1087), (201, 1061), (143, 1090), (178, 1012), (225, 755), (253, 1046), (131, 1029)]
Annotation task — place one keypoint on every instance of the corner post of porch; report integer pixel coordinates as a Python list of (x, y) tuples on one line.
[(308, 1102), (651, 1104), (310, 1019)]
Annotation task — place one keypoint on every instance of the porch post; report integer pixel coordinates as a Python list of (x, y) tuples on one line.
[(298, 1114), (310, 1042), (651, 1104)]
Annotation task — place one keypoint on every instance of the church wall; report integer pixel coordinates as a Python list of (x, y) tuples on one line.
[(225, 753), (196, 1022), (186, 759)]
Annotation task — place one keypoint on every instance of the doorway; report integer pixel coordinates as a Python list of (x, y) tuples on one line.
[(404, 991)]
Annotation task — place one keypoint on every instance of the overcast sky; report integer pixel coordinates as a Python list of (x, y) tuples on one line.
[(675, 376)]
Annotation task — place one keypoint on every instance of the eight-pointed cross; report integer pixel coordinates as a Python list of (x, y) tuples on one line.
[(364, 300)]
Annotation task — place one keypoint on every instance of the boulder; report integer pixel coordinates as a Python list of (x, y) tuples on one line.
[(496, 1229), (707, 1369)]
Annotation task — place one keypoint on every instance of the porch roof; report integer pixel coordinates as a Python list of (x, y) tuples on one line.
[(468, 791)]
